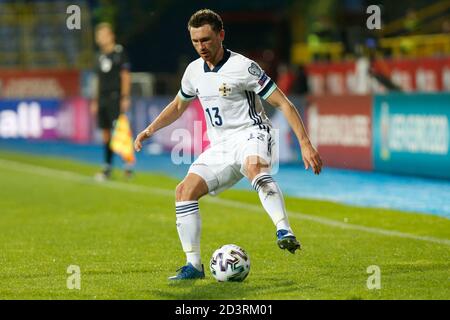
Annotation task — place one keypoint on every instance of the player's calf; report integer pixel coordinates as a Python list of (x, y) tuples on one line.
[(272, 200)]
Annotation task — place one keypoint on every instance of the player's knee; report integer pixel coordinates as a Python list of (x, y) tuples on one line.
[(253, 169), (254, 165), (186, 192), (178, 191)]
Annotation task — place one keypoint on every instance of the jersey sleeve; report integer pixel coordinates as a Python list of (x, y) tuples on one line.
[(258, 81), (124, 61), (187, 91), (122, 58)]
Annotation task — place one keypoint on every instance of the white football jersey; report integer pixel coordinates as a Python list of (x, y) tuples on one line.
[(229, 94)]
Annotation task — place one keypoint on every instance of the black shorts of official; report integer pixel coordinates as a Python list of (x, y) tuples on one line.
[(108, 110)]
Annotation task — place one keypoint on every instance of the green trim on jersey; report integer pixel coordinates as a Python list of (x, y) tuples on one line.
[(269, 92)]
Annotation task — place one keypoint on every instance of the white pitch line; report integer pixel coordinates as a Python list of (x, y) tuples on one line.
[(72, 176)]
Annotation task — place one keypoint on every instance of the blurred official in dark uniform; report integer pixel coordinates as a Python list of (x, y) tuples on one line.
[(113, 90)]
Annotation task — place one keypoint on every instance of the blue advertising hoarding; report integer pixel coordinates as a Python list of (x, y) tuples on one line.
[(411, 134), (29, 119)]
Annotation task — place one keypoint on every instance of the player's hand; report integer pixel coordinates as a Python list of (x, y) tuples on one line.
[(311, 158), (140, 139)]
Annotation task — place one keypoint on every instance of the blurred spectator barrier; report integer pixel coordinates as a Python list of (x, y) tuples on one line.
[(425, 75), (64, 83), (39, 83)]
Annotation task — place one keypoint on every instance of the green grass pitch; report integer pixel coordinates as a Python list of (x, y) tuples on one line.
[(123, 237)]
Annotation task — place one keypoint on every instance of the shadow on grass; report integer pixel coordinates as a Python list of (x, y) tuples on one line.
[(209, 289)]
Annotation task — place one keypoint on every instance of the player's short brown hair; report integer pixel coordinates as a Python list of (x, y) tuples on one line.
[(105, 25), (206, 16)]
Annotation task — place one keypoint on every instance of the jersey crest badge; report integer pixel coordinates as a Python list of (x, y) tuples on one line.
[(105, 64), (224, 90)]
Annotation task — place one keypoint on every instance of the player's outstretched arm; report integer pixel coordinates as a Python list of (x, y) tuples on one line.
[(310, 156), (170, 113)]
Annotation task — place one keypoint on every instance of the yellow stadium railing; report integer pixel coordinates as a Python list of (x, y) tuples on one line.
[(411, 45), (302, 53), (417, 46), (397, 47)]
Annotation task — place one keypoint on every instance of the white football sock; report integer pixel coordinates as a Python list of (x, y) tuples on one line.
[(189, 227), (272, 200)]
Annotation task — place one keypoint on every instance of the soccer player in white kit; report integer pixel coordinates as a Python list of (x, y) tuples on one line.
[(229, 87)]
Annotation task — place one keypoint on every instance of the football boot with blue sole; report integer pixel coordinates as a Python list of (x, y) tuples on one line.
[(189, 272), (287, 240)]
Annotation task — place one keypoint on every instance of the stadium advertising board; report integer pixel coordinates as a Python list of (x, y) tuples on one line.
[(46, 119), (411, 134), (341, 128), (187, 134), (39, 84), (29, 119), (74, 120)]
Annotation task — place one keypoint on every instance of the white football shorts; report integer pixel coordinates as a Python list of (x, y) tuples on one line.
[(222, 165)]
